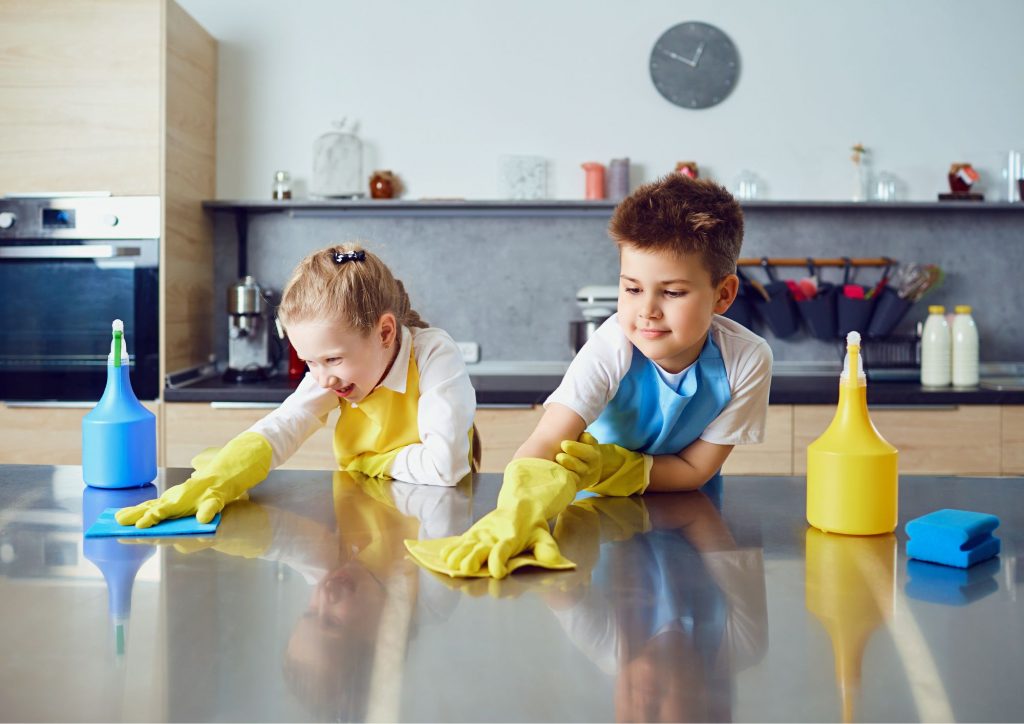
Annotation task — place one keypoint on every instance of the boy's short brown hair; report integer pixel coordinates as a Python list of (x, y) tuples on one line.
[(684, 215)]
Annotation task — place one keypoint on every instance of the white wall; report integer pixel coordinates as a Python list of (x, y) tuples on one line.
[(442, 88)]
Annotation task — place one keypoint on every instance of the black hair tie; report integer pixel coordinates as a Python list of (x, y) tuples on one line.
[(340, 257)]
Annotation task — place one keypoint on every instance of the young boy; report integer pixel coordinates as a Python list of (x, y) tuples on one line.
[(664, 389)]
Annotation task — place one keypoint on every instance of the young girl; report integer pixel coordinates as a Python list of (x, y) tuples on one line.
[(406, 401)]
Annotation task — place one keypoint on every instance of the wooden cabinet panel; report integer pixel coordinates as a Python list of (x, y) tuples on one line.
[(1013, 440), (80, 96), (963, 440), (47, 435), (772, 457), (191, 427), (502, 431)]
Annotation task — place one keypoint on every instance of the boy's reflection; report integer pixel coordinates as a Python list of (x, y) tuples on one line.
[(675, 608)]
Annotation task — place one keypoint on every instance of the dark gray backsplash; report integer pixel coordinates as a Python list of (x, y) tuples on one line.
[(509, 282)]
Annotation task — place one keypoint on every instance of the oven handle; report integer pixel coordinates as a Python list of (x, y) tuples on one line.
[(85, 251)]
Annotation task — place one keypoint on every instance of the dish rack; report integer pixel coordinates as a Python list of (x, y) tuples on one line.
[(900, 352)]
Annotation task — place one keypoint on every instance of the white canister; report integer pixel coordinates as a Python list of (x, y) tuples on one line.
[(965, 348), (936, 349)]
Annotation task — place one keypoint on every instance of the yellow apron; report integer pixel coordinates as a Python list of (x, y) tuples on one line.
[(370, 433)]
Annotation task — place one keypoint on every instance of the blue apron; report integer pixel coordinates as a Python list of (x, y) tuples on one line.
[(647, 415)]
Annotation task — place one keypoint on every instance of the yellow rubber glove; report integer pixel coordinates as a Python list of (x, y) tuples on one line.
[(239, 465), (514, 534), (606, 469), (374, 465)]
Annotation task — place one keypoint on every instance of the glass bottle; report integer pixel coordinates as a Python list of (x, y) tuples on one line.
[(936, 349), (282, 186), (965, 348)]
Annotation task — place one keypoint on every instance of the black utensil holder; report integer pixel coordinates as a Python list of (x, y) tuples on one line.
[(819, 313), (742, 310), (889, 311), (779, 311), (853, 315)]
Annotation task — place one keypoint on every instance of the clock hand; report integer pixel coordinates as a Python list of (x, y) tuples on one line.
[(681, 59), (696, 58)]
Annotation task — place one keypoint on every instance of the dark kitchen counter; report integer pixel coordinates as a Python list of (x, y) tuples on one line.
[(532, 386)]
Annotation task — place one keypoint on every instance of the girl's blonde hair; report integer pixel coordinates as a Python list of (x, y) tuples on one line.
[(356, 292)]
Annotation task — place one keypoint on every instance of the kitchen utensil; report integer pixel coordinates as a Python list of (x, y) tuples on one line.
[(249, 354)]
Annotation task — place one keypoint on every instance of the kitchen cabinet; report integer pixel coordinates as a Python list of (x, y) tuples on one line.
[(954, 440), (191, 427), (774, 456), (47, 435), (1013, 440), (120, 96), (502, 431)]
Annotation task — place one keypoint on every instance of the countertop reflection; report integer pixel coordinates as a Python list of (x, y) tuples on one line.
[(713, 605)]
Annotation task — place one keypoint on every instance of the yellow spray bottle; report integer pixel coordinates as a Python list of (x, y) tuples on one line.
[(852, 472)]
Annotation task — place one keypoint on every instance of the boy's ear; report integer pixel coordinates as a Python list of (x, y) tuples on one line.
[(725, 293)]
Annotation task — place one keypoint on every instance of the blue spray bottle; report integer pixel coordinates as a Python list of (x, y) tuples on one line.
[(119, 434)]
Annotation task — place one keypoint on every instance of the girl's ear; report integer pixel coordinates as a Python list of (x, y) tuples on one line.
[(388, 329), (726, 293)]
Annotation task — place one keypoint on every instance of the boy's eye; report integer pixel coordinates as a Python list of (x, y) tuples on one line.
[(632, 290), (674, 294)]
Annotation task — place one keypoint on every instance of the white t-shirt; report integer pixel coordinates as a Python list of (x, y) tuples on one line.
[(594, 375), (445, 411)]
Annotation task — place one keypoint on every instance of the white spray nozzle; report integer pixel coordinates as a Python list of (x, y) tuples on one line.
[(118, 341), (853, 340)]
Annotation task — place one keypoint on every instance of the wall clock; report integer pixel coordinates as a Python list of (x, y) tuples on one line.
[(694, 65)]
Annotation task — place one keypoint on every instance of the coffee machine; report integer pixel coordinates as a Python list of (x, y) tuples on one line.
[(249, 333), (596, 303)]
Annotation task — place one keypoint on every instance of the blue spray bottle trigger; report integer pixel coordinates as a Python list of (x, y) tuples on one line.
[(119, 434)]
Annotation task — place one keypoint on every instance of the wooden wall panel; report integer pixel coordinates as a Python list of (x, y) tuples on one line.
[(80, 96), (189, 177)]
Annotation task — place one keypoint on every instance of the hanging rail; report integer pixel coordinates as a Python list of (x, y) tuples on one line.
[(803, 261)]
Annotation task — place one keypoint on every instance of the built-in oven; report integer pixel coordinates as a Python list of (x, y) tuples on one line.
[(69, 266)]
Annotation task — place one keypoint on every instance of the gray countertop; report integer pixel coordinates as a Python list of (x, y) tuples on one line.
[(530, 383), (690, 606)]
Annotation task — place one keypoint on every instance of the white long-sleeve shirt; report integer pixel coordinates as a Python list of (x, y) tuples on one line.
[(445, 413)]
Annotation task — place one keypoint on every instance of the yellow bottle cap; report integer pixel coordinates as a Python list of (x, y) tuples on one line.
[(962, 309), (936, 309)]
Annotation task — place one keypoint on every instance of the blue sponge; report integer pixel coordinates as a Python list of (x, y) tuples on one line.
[(106, 526), (953, 537)]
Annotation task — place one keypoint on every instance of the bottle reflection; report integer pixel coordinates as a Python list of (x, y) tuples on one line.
[(850, 588), (118, 562)]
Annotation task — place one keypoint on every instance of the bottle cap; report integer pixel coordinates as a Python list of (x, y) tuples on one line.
[(936, 309), (962, 309), (853, 348)]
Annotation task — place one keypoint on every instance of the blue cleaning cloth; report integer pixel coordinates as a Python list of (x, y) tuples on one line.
[(951, 586), (106, 527), (958, 538)]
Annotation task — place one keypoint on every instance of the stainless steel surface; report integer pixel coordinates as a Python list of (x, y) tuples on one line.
[(305, 607), (84, 251), (581, 330), (80, 217), (1002, 383)]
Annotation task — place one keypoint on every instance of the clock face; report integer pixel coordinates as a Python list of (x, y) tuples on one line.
[(694, 65)]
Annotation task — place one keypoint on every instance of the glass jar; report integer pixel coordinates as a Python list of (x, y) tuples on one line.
[(338, 163), (282, 186)]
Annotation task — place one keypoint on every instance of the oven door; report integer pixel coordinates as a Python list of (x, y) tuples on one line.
[(58, 301)]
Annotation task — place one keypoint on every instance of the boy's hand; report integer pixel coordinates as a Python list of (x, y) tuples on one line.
[(516, 533), (236, 467), (606, 469)]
